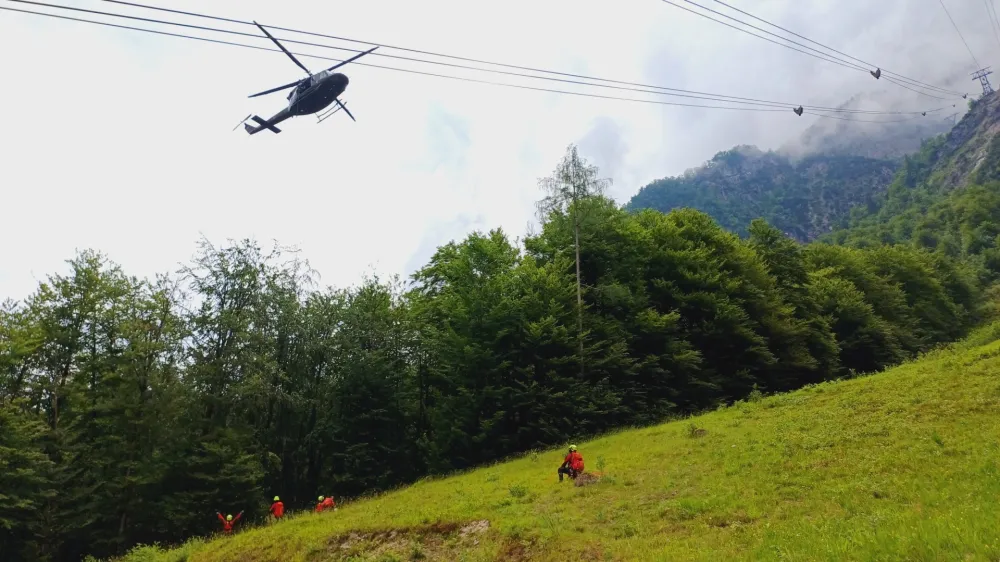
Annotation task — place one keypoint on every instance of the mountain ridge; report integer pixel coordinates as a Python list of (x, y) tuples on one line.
[(810, 186), (804, 198)]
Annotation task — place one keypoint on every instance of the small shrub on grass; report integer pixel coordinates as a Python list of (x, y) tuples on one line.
[(937, 439), (600, 517), (518, 490), (626, 529), (695, 431)]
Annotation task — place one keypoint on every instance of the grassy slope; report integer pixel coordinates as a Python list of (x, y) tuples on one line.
[(899, 465)]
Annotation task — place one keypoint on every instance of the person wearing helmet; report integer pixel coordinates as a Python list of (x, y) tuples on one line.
[(572, 465), (228, 521), (277, 509), (324, 504)]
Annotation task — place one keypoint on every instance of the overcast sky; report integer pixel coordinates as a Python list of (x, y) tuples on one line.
[(121, 141)]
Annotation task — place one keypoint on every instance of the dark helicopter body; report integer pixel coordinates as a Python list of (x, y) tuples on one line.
[(322, 90), (309, 95)]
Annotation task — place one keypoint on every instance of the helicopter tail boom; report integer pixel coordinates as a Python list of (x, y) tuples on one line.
[(262, 124)]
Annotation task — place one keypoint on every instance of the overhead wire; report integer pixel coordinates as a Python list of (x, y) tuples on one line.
[(411, 71), (841, 118), (709, 97), (455, 57), (418, 72), (815, 52), (662, 90), (947, 13), (904, 86), (884, 70), (994, 22), (824, 58)]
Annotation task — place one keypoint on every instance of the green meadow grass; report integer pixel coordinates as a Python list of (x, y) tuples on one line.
[(902, 465)]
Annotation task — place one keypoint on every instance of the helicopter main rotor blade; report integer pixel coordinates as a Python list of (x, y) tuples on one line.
[(352, 59), (344, 107), (282, 47), (278, 89)]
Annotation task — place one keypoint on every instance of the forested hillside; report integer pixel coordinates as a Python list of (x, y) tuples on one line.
[(131, 410), (946, 198), (808, 187), (803, 198)]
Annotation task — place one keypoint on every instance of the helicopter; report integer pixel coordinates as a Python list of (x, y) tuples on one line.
[(309, 95)]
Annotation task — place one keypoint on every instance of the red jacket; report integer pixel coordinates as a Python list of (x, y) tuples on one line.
[(575, 461), (325, 504), (278, 509), (227, 526)]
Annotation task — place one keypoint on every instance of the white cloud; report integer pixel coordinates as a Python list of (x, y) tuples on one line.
[(121, 141)]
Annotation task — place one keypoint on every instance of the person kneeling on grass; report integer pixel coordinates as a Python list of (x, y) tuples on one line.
[(572, 465), (325, 504)]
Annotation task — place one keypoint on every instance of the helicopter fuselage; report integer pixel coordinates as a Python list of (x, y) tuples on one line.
[(316, 93), (312, 95), (309, 95)]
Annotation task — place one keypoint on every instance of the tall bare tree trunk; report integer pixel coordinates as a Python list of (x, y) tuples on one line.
[(579, 289), (572, 181)]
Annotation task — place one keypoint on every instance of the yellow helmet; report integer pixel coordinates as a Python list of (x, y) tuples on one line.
[(229, 517), (572, 447), (276, 499), (321, 498)]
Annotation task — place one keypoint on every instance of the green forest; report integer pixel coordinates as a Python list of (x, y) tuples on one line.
[(805, 198), (131, 410)]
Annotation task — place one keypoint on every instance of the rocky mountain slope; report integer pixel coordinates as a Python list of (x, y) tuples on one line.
[(809, 187), (970, 152), (804, 198), (945, 198)]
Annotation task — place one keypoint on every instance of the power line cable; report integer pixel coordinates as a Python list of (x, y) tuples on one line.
[(824, 58), (646, 89), (993, 10), (901, 85), (715, 97), (994, 22), (710, 97), (841, 118), (410, 71), (947, 13), (884, 71), (464, 79), (819, 54), (431, 53)]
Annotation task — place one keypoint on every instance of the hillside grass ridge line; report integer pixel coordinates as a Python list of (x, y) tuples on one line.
[(899, 464), (132, 410)]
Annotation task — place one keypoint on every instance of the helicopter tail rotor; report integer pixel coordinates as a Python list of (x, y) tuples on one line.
[(242, 122)]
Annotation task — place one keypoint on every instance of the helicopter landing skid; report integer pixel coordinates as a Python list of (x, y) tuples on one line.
[(324, 115)]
